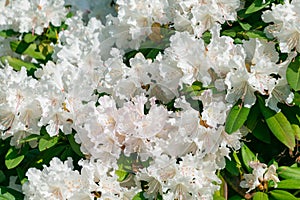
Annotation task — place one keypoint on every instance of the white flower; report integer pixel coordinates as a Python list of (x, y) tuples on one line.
[(286, 26), (58, 181), (261, 173)]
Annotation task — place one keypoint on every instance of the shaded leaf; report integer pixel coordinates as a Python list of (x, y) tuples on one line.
[(279, 125), (10, 193), (262, 133), (74, 145)]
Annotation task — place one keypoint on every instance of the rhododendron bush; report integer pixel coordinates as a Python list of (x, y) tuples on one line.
[(140, 99)]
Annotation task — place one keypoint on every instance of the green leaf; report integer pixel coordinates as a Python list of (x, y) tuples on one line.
[(289, 172), (74, 145), (230, 33), (231, 167), (122, 175), (8, 33), (260, 196), (8, 193), (30, 138), (139, 196), (236, 197), (256, 6), (279, 125), (2, 176), (296, 129), (296, 100), (22, 47), (17, 64), (293, 74), (236, 118), (47, 142), (282, 195), (289, 184), (13, 158), (245, 25), (247, 156), (252, 119), (29, 37), (216, 197), (256, 34), (262, 132)]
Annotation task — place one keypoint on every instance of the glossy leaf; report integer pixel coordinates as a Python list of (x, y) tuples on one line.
[(236, 118), (260, 196), (13, 158), (282, 195), (289, 172), (293, 74), (289, 184), (247, 156), (279, 125)]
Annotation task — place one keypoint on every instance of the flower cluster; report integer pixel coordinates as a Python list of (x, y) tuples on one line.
[(261, 174), (118, 108)]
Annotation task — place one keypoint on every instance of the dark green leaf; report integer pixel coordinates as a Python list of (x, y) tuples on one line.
[(282, 195), (47, 142), (289, 172), (262, 132), (74, 145), (2, 176), (19, 46), (231, 167), (293, 74), (236, 118), (13, 158), (8, 33), (247, 156), (10, 194), (279, 125), (260, 196)]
